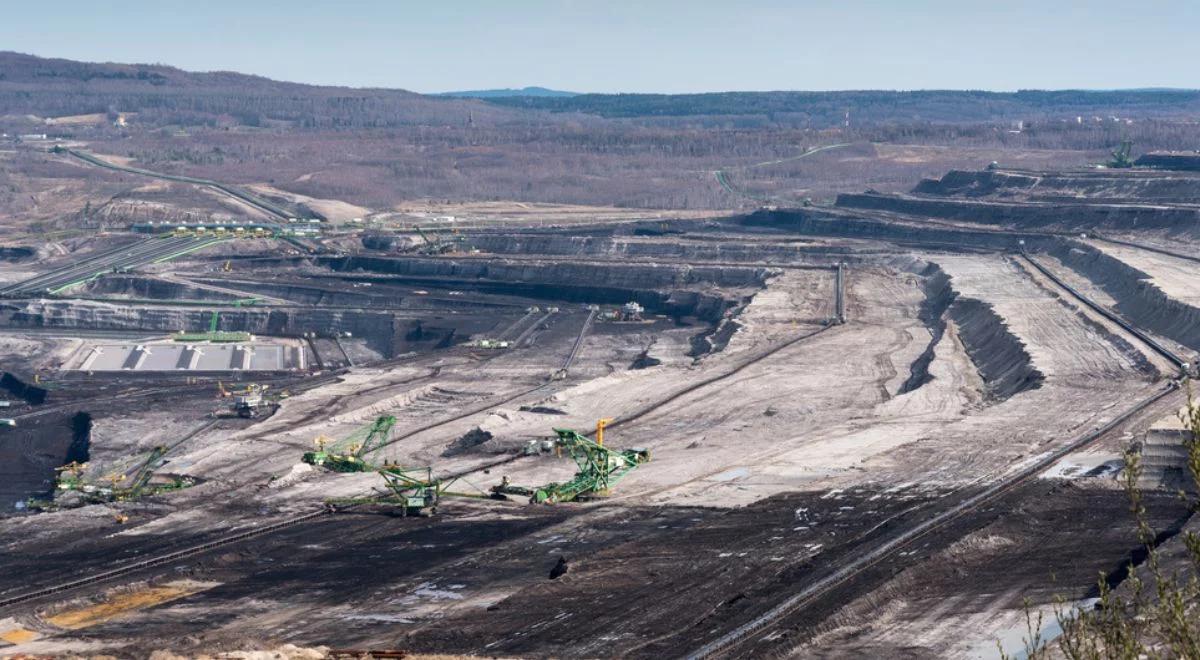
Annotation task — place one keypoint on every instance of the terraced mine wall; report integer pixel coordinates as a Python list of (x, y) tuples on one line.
[(312, 294), (664, 289), (1138, 299), (1123, 185), (1033, 215), (705, 293), (815, 222), (973, 183), (151, 288), (999, 356), (618, 248)]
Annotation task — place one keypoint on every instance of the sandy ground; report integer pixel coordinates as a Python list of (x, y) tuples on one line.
[(334, 210), (1176, 277), (424, 212), (822, 415)]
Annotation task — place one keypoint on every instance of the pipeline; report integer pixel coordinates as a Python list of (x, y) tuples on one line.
[(338, 340), (521, 338), (504, 334)]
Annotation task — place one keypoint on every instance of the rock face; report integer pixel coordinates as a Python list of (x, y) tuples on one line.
[(1165, 455), (708, 293)]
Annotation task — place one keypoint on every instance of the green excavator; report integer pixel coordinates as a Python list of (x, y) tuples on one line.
[(599, 469), (348, 454), (73, 487), (408, 492), (1120, 156)]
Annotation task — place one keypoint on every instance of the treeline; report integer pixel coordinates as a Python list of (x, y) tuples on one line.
[(827, 109), (1089, 135), (164, 96), (158, 106)]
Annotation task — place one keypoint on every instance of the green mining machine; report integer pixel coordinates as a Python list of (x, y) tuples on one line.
[(1121, 156), (408, 492), (599, 470), (348, 454), (74, 487)]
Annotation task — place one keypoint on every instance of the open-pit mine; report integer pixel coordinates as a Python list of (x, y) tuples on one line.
[(883, 427)]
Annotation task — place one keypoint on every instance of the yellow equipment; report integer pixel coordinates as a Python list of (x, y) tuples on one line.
[(600, 424)]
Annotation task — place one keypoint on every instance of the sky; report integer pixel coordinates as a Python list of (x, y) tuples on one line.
[(668, 46)]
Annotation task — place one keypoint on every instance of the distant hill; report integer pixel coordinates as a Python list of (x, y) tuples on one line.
[(540, 92), (165, 95), (871, 107)]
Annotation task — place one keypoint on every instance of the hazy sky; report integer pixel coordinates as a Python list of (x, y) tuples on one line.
[(636, 45)]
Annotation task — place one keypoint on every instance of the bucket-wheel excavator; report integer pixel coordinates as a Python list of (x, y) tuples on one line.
[(121, 483), (349, 454), (599, 469)]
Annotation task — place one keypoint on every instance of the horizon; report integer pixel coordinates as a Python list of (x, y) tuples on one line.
[(517, 87), (671, 47)]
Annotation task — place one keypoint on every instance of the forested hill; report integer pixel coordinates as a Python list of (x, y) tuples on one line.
[(167, 96), (164, 95), (823, 109)]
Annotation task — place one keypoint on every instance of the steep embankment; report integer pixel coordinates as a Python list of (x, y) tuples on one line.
[(1095, 185), (1137, 297), (999, 356), (997, 353), (137, 286), (677, 290), (1032, 215), (819, 222)]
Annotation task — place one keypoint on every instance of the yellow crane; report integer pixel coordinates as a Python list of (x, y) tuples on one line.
[(600, 424)]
